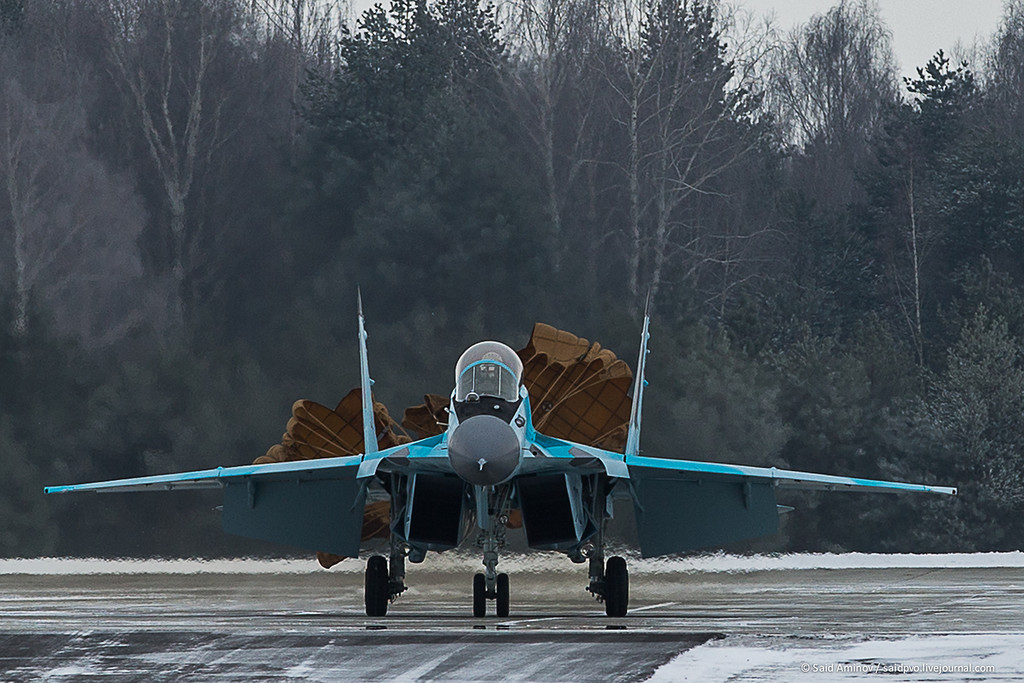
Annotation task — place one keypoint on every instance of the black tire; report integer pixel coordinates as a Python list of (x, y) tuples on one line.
[(502, 597), (377, 589), (616, 587), (479, 596)]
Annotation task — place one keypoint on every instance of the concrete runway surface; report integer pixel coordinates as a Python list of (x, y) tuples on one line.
[(738, 619)]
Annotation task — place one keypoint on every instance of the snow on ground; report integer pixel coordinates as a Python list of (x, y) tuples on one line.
[(796, 617), (962, 657), (533, 562), (722, 562)]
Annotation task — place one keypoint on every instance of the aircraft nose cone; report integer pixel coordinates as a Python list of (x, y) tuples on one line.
[(484, 450)]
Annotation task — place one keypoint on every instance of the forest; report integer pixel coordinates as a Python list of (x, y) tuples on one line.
[(193, 191)]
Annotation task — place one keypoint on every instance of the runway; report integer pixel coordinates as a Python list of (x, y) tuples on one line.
[(718, 618)]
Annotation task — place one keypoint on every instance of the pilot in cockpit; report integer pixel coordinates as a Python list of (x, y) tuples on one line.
[(488, 369)]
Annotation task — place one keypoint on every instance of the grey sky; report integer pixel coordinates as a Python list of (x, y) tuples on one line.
[(919, 29)]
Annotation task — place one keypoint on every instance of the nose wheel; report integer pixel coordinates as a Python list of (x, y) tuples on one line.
[(481, 594)]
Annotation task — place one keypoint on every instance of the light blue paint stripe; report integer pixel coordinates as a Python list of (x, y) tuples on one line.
[(561, 450), (788, 478), (413, 449), (557, 448), (487, 362), (429, 447)]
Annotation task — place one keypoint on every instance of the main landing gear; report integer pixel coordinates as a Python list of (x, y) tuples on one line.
[(610, 583), (383, 584)]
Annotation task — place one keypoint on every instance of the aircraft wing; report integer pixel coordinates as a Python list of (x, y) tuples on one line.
[(219, 477), (778, 478), (685, 505), (310, 504)]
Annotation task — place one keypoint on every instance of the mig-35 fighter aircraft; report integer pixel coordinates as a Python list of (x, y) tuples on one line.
[(488, 469)]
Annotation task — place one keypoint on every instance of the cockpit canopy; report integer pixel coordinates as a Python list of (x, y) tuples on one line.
[(488, 368)]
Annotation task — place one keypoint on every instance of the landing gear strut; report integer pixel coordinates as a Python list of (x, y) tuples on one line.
[(609, 582), (490, 585)]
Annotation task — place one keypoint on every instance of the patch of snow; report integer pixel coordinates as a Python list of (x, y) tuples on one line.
[(523, 563), (723, 562), (46, 566), (967, 657)]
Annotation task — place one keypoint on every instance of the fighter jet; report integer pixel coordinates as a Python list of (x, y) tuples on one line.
[(490, 469)]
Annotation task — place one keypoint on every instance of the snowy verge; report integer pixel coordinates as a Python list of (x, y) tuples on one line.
[(536, 562), (969, 657)]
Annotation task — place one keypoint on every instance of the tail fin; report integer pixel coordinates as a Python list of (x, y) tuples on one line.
[(369, 433), (633, 435)]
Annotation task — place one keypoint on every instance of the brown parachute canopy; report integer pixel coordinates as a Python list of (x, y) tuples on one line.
[(578, 391), (429, 418), (316, 431)]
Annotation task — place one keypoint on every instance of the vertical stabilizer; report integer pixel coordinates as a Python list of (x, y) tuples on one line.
[(365, 383), (639, 382)]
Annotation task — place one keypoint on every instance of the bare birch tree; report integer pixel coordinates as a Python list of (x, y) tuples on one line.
[(313, 27), (835, 76), (688, 118), (163, 55), (1006, 70), (552, 85), (71, 226)]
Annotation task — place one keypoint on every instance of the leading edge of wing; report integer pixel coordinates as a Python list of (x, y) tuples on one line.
[(786, 478), (216, 477), (213, 478)]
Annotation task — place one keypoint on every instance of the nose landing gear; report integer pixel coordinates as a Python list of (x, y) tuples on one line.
[(499, 593), (492, 513)]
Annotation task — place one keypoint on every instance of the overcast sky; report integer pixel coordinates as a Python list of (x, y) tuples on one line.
[(919, 28)]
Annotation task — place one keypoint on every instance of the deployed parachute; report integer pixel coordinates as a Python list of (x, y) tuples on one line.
[(578, 391), (316, 431)]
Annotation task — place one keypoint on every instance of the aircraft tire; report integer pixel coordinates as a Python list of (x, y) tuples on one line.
[(503, 597), (479, 596), (616, 591), (377, 586)]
